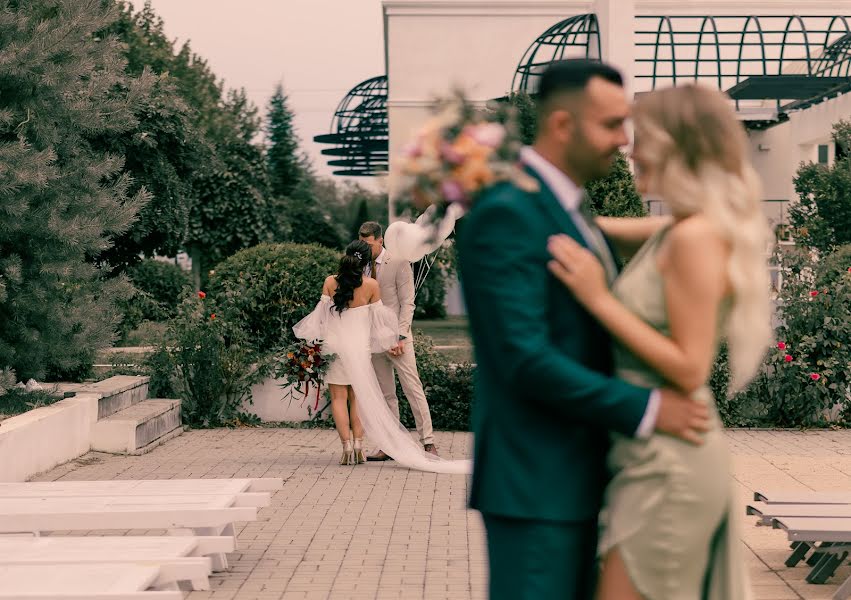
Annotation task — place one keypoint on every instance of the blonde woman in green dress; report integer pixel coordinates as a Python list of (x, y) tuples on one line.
[(668, 521)]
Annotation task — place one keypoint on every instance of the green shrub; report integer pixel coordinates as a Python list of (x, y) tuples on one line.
[(16, 400), (448, 388), (207, 362), (159, 288), (267, 289), (431, 297), (808, 374)]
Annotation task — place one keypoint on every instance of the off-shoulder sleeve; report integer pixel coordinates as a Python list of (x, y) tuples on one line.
[(312, 327), (384, 328)]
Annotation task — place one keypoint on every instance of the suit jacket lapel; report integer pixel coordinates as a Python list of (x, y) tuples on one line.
[(547, 199)]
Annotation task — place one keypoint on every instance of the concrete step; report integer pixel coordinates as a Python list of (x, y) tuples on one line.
[(116, 393), (138, 428)]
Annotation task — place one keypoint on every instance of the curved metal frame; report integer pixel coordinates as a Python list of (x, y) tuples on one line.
[(577, 32), (359, 131), (826, 50)]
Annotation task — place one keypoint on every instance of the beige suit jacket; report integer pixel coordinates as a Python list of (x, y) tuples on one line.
[(396, 281)]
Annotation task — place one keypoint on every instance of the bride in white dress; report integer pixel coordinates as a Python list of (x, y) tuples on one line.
[(353, 324)]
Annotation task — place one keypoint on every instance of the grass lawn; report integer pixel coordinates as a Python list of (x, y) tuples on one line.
[(450, 335)]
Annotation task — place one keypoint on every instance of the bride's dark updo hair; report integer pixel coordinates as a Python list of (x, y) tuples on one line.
[(350, 274)]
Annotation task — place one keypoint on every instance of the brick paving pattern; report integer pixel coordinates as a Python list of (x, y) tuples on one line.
[(379, 531)]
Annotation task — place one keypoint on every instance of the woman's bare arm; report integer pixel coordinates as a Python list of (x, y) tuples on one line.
[(694, 270), (629, 233)]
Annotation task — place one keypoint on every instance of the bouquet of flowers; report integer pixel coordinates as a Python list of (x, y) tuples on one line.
[(457, 154), (302, 363)]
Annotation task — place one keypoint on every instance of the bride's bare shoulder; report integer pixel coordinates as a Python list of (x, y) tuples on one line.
[(330, 284)]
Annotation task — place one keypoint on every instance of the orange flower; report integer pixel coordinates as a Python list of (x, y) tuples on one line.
[(290, 355), (474, 174)]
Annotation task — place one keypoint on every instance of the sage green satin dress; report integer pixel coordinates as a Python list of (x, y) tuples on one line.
[(669, 508)]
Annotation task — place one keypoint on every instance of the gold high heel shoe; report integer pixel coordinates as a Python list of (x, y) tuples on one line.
[(358, 452), (348, 457)]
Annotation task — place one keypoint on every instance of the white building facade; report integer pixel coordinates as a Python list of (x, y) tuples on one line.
[(786, 61)]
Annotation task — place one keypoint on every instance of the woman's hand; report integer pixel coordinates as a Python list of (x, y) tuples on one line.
[(578, 269)]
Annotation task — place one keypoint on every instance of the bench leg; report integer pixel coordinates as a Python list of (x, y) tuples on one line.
[(798, 554), (817, 554), (826, 567), (219, 561)]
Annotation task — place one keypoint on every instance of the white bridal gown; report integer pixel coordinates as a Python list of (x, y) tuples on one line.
[(353, 336)]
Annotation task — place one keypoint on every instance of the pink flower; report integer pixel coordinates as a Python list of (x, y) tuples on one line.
[(411, 150), (452, 191), (450, 154), (788, 358), (202, 295), (487, 134), (815, 376), (781, 345), (814, 293), (849, 269), (213, 317)]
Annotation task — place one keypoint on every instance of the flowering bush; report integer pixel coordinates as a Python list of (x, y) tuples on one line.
[(302, 364), (208, 361), (458, 153), (806, 377)]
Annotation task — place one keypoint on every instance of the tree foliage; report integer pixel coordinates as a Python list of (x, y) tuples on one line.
[(64, 196)]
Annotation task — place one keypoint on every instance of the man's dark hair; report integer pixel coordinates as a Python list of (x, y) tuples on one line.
[(572, 75), (370, 228)]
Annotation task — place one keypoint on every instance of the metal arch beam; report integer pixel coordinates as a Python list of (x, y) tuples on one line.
[(717, 49), (574, 32), (806, 42)]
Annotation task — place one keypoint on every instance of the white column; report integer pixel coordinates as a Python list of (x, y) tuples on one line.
[(616, 19)]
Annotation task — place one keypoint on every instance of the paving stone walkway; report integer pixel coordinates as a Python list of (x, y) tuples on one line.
[(379, 531)]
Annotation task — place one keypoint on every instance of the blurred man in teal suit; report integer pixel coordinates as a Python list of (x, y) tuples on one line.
[(545, 400)]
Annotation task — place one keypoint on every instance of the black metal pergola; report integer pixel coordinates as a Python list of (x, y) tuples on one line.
[(359, 135), (575, 37), (790, 62)]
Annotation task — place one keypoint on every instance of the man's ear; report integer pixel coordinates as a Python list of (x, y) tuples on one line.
[(561, 123)]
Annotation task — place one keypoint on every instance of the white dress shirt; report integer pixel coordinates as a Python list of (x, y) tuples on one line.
[(569, 196), (367, 270)]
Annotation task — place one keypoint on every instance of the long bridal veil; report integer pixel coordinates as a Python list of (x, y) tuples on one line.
[(354, 339)]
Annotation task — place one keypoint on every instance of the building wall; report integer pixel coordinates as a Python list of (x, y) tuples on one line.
[(435, 45)]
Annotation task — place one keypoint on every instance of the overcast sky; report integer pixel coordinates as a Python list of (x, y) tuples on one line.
[(319, 49)]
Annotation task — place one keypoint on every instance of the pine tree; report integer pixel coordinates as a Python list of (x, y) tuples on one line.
[(286, 167), (62, 199), (615, 195), (361, 217)]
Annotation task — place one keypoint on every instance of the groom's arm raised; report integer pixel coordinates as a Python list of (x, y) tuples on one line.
[(506, 273)]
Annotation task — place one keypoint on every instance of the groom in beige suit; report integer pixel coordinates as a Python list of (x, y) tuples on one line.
[(396, 280)]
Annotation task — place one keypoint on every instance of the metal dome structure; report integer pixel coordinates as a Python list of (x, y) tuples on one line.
[(575, 37), (359, 131), (785, 61)]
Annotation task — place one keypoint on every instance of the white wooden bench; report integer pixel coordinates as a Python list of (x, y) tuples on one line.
[(802, 497), (830, 540), (140, 487), (183, 559), (85, 582), (199, 515), (768, 512)]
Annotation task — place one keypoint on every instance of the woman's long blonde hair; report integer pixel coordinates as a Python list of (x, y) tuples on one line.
[(700, 162)]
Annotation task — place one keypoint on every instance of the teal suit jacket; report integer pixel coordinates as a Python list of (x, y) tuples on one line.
[(544, 400)]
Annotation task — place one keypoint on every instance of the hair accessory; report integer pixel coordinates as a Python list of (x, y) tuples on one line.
[(358, 255)]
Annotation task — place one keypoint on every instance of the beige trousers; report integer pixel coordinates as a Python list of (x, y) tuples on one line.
[(406, 366)]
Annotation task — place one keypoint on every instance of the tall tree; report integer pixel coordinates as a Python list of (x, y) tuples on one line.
[(361, 217), (63, 199), (165, 152), (286, 168)]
